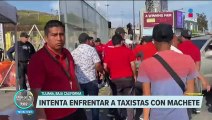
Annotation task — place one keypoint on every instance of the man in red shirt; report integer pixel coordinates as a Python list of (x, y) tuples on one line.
[(109, 44), (118, 31), (146, 50), (122, 70), (52, 69), (188, 48), (99, 47)]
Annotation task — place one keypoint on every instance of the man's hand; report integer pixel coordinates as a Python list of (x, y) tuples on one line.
[(135, 78), (206, 86), (13, 61)]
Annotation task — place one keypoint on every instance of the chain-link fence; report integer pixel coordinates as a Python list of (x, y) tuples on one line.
[(79, 17)]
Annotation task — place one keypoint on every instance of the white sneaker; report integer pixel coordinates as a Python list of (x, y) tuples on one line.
[(141, 118)]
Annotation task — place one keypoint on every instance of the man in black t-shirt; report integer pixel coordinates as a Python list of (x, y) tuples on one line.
[(25, 51)]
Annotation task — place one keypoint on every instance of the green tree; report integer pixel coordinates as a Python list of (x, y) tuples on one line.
[(202, 21)]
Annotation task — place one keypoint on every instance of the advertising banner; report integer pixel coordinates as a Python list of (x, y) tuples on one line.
[(179, 19), (153, 18)]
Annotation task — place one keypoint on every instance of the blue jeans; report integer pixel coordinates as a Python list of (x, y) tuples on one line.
[(91, 88)]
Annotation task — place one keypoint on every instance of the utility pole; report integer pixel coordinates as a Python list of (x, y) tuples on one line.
[(134, 20), (211, 25), (107, 5), (122, 18)]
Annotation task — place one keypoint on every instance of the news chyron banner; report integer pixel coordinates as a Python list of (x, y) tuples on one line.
[(58, 99)]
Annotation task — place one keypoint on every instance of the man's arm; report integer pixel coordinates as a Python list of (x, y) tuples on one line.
[(204, 81), (133, 67), (190, 87), (205, 84), (33, 49), (10, 53), (97, 61), (40, 113), (36, 76), (99, 67), (105, 67), (146, 92), (198, 65)]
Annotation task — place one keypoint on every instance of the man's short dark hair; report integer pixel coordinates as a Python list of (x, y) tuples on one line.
[(53, 23), (116, 39), (24, 34), (98, 40), (90, 38), (162, 33), (83, 37)]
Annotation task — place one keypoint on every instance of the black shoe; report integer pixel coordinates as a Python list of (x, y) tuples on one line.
[(210, 109), (110, 115), (194, 111), (112, 112), (208, 104)]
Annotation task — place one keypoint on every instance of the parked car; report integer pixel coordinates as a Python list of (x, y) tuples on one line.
[(205, 45)]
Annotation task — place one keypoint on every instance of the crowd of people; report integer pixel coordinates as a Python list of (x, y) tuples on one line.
[(127, 71)]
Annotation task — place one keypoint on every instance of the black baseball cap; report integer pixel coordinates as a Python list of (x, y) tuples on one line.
[(186, 33), (119, 30), (24, 34), (162, 32)]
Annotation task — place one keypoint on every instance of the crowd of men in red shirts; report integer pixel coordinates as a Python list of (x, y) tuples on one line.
[(65, 71), (146, 49)]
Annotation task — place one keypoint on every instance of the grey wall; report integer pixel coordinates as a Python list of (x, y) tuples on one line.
[(79, 17)]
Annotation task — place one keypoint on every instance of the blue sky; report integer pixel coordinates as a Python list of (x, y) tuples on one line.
[(37, 5), (119, 11)]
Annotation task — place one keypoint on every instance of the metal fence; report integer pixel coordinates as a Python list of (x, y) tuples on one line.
[(79, 17)]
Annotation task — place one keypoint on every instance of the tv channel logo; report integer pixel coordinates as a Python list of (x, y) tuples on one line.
[(23, 99)]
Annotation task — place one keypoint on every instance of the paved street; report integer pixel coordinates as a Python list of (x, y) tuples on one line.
[(7, 107)]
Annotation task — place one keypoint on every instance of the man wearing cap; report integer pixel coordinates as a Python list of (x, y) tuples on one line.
[(157, 81), (146, 49), (189, 48), (118, 31), (121, 68), (25, 51), (87, 62), (108, 45)]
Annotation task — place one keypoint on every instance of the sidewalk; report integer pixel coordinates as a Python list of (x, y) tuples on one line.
[(7, 106)]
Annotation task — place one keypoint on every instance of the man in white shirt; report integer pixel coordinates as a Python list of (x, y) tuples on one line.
[(87, 62)]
